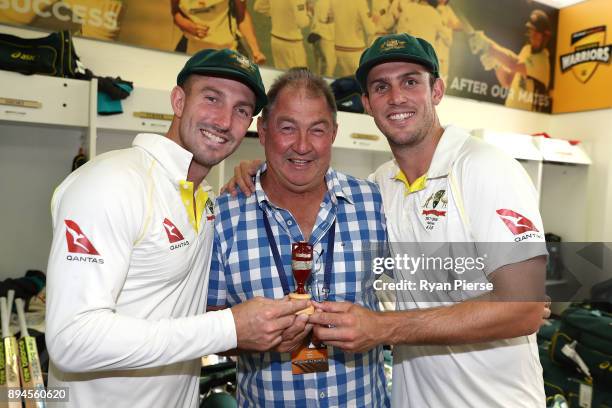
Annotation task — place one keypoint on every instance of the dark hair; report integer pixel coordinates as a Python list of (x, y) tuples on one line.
[(432, 80), (300, 78)]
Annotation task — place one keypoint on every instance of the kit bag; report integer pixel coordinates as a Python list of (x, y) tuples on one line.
[(560, 380), (51, 55), (591, 330), (548, 330)]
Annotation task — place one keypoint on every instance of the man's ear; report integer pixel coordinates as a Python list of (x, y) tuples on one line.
[(261, 130), (177, 99), (437, 91), (365, 101)]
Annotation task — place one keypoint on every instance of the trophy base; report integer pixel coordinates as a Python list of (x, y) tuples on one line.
[(302, 296)]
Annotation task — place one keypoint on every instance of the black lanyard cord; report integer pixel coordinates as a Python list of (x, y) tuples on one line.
[(329, 257)]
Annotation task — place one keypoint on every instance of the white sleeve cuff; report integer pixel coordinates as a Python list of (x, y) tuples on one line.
[(228, 328), (217, 332)]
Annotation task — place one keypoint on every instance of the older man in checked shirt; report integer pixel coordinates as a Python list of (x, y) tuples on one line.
[(302, 199)]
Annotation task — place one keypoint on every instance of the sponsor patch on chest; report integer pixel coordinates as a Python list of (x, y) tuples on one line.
[(175, 237)]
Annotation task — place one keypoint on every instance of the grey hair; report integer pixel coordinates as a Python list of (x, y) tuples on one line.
[(300, 78)]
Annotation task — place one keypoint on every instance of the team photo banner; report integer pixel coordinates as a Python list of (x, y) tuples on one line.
[(485, 53)]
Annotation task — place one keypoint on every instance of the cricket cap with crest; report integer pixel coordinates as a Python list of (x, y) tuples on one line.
[(226, 63), (397, 47)]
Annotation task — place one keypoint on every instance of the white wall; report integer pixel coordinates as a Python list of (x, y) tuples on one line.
[(156, 69), (473, 114), (32, 164), (594, 129)]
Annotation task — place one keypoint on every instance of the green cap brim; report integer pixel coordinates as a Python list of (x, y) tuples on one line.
[(261, 99), (364, 70)]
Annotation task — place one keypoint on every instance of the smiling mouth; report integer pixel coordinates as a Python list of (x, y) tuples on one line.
[(401, 116), (212, 137), (299, 162)]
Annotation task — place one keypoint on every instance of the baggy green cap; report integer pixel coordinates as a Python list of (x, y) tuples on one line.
[(397, 47), (226, 63)]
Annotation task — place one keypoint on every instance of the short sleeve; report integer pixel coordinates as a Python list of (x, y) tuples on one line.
[(501, 204)]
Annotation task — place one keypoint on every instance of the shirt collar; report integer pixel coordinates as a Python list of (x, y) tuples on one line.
[(417, 185), (331, 177), (446, 152), (444, 156), (168, 154), (338, 190)]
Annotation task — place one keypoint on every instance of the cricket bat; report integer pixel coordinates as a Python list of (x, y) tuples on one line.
[(10, 297), (3, 386), (11, 366), (30, 370)]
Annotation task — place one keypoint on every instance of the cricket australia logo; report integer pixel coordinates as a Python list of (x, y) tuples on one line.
[(243, 62), (589, 51), (210, 209), (392, 44), (435, 203), (434, 208)]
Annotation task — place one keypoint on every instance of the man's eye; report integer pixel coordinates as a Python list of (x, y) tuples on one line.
[(380, 88), (244, 112)]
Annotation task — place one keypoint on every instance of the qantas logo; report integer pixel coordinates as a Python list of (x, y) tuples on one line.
[(516, 223), (174, 235), (77, 242)]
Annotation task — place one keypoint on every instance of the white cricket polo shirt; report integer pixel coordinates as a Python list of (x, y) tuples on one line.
[(471, 193), (127, 280)]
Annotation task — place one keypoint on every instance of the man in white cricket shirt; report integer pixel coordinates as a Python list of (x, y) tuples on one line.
[(129, 264), (453, 347)]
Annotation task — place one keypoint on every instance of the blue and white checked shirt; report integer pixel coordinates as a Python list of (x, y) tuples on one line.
[(243, 267)]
